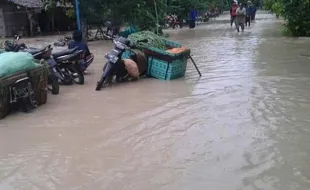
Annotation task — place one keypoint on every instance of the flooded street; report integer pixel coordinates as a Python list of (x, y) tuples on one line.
[(244, 125)]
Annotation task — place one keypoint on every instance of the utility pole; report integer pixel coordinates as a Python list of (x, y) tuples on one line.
[(77, 12)]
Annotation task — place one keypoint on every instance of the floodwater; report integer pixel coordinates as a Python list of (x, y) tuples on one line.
[(244, 125)]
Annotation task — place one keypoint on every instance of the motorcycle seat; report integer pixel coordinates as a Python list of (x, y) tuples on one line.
[(36, 51), (68, 57), (65, 52)]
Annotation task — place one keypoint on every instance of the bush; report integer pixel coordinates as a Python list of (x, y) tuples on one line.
[(295, 12)]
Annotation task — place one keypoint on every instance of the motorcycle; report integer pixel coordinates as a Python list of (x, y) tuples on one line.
[(68, 66), (38, 54), (111, 32), (206, 17), (173, 21), (115, 67)]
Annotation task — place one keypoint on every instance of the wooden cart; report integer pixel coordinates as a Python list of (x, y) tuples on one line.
[(38, 77)]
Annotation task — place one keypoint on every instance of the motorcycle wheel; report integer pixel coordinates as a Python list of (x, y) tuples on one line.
[(26, 104), (23, 105), (54, 83), (100, 83), (64, 76), (76, 74), (104, 81)]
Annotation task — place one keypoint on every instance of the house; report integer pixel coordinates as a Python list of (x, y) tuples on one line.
[(17, 16), (26, 17)]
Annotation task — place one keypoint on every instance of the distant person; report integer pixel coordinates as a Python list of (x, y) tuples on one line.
[(249, 13), (233, 12), (81, 45), (192, 17), (240, 17), (253, 13)]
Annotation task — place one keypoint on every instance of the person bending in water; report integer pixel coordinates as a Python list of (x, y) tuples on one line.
[(240, 17)]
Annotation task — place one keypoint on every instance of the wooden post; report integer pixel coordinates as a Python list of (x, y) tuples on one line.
[(29, 15), (53, 21)]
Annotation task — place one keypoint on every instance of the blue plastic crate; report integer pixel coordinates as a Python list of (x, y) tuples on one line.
[(162, 64), (160, 69), (126, 54), (165, 65)]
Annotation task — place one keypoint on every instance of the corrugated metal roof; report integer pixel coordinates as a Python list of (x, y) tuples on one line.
[(28, 3)]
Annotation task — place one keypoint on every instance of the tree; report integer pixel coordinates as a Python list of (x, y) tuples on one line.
[(140, 13), (295, 12)]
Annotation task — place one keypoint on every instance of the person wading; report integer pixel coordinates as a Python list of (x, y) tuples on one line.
[(233, 12), (240, 17), (192, 17), (249, 13), (253, 13)]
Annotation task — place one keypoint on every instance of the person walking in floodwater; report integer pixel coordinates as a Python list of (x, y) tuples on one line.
[(192, 18), (233, 13), (249, 13), (240, 17), (253, 13)]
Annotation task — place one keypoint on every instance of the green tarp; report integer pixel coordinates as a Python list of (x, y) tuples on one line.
[(14, 62)]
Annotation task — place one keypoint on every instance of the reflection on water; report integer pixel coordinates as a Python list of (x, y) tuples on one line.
[(242, 125)]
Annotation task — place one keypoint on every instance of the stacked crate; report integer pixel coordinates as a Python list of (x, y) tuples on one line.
[(162, 64)]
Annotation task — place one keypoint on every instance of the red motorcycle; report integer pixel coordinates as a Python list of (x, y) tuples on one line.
[(172, 21)]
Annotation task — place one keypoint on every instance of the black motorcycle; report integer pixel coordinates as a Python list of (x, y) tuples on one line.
[(115, 67), (68, 66)]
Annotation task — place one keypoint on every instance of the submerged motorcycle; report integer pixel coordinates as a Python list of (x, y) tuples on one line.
[(115, 68)]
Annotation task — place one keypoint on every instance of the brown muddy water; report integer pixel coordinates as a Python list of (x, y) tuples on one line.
[(243, 126)]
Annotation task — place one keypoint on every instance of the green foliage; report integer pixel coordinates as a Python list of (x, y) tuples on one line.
[(139, 13), (296, 13), (182, 7), (268, 4), (277, 8), (70, 13)]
